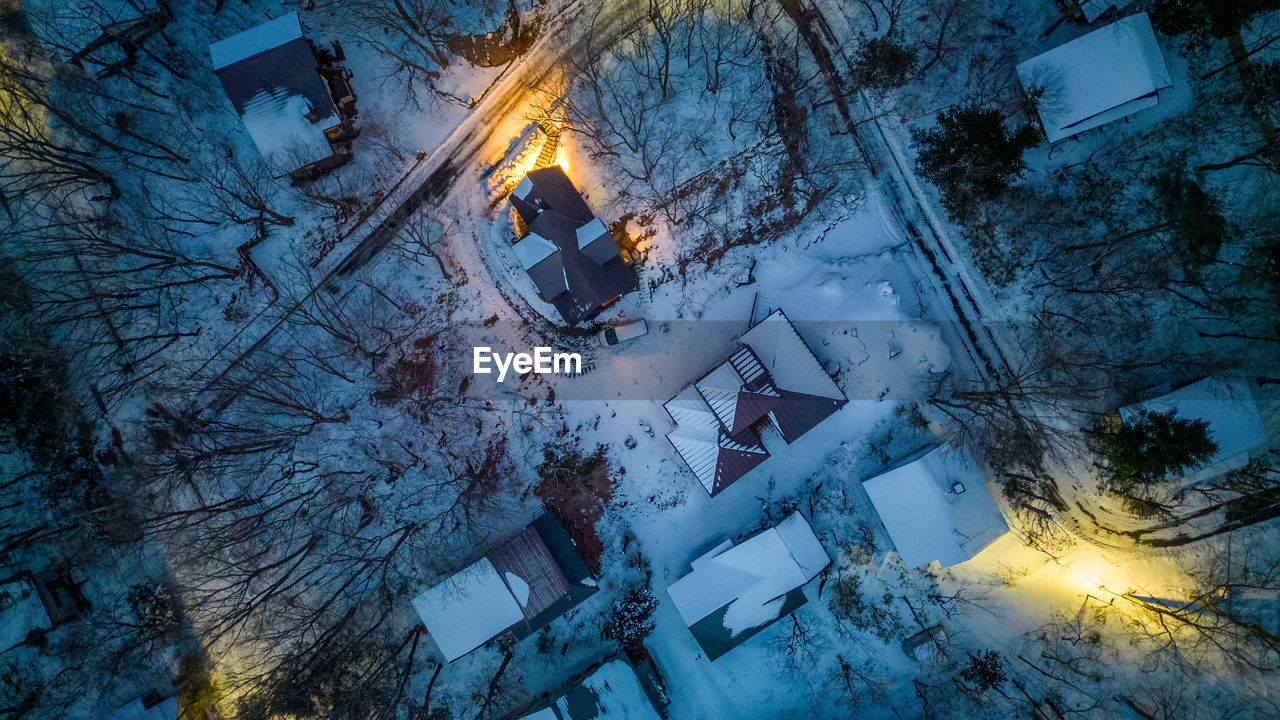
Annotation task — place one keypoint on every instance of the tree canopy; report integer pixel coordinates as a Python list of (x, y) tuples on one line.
[(1144, 451), (1193, 214), (883, 64), (1207, 18), (972, 157)]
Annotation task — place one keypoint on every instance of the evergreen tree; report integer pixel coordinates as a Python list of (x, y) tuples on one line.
[(971, 157), (1207, 18), (985, 671), (1193, 214), (632, 619), (882, 64), (1144, 451)]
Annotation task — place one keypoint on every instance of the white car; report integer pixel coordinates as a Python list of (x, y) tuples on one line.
[(622, 333)]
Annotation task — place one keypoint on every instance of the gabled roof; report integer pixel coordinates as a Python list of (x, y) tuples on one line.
[(270, 75), (1105, 75), (467, 609), (716, 458), (788, 360), (611, 692), (774, 375), (936, 506), (734, 592), (575, 262), (1227, 405), (521, 585)]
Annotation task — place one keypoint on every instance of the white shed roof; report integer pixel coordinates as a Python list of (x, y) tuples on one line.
[(257, 39), (1105, 75), (1227, 405), (925, 516), (788, 359), (751, 578), (464, 611)]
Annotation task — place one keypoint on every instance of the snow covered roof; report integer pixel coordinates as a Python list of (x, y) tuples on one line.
[(138, 709), (255, 40), (735, 591), (533, 249), (936, 506), (715, 415), (464, 611), (269, 73), (612, 692), (1227, 405), (1108, 74), (21, 611), (590, 231), (279, 127), (521, 585), (787, 358), (720, 389)]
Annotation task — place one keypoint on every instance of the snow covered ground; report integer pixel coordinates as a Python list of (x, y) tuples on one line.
[(877, 282)]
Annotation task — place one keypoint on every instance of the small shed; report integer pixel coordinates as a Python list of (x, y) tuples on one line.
[(21, 611), (924, 644)]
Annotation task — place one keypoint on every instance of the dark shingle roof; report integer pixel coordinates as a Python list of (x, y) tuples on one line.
[(578, 281), (290, 67)]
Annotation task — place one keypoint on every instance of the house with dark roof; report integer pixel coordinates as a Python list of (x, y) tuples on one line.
[(735, 591), (520, 586), (773, 378), (569, 254), (615, 690), (294, 100)]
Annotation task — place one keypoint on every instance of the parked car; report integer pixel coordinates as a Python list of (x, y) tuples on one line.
[(622, 333)]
